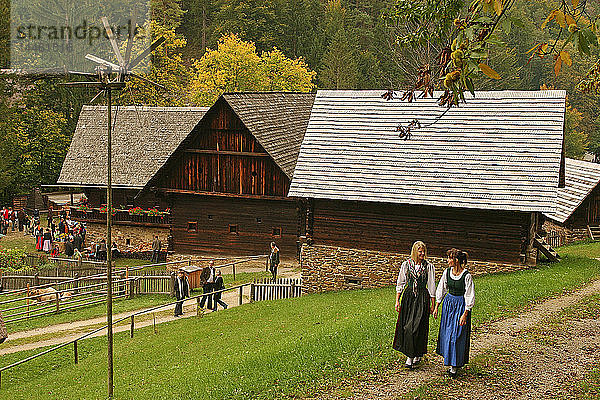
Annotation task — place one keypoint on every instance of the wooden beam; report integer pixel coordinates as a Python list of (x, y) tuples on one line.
[(231, 195), (226, 153)]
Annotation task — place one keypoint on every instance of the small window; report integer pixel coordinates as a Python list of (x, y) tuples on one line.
[(276, 232), (233, 229), (210, 217), (192, 226), (128, 242), (258, 220)]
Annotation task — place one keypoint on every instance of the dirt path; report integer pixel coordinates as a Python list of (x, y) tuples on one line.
[(61, 333), (511, 338)]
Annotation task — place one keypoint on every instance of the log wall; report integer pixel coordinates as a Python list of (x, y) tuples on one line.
[(486, 235), (588, 213), (202, 224)]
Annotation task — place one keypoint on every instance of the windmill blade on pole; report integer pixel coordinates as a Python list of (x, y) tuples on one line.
[(101, 61), (149, 50), (82, 84), (130, 39), (113, 41), (86, 74), (158, 85), (100, 93)]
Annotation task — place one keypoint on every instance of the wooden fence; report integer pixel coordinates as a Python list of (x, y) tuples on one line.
[(282, 288), (555, 239)]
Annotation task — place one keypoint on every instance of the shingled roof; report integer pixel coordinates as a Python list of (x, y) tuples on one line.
[(499, 150), (278, 120), (581, 177), (143, 139)]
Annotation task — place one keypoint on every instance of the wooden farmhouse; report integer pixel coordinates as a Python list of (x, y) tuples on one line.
[(477, 177), (143, 139), (227, 183), (577, 212)]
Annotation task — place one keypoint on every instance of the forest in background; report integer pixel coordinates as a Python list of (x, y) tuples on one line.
[(298, 45)]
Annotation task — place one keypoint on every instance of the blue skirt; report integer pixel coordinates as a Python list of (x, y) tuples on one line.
[(454, 340)]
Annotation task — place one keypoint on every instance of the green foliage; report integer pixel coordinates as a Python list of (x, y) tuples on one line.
[(236, 66), (339, 69), (576, 141), (12, 259)]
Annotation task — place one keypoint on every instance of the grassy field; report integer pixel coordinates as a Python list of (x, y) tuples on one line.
[(267, 350)]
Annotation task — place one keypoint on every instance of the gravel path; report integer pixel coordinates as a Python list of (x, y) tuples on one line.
[(541, 367), (61, 333)]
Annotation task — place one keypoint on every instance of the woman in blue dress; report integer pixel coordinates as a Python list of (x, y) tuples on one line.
[(458, 294)]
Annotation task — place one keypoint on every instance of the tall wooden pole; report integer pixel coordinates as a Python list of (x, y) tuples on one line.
[(109, 247)]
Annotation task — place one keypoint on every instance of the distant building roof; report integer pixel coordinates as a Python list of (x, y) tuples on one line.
[(278, 120), (581, 177), (499, 150), (143, 138)]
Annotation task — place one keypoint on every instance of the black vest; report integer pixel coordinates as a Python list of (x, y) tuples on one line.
[(456, 287)]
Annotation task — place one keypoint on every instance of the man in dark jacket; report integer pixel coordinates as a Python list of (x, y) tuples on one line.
[(182, 290), (156, 245), (219, 285), (274, 260), (208, 280)]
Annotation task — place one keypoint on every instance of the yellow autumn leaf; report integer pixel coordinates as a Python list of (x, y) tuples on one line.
[(575, 3), (570, 20), (488, 71), (566, 57), (557, 65), (560, 18), (533, 48), (549, 18), (498, 7), (545, 47)]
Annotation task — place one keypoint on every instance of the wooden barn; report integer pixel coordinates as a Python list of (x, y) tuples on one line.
[(476, 177), (143, 138), (577, 212), (227, 183)]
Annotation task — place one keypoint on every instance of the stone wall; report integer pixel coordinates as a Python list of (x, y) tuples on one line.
[(567, 236), (326, 268), (133, 238)]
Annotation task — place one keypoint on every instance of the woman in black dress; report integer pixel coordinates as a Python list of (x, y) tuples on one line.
[(415, 301)]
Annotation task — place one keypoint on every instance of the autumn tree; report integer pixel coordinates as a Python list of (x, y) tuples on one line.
[(236, 66)]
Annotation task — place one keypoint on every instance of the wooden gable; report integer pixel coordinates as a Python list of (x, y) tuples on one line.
[(221, 156)]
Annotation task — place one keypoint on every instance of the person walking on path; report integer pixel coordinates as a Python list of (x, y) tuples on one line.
[(182, 290), (208, 278), (219, 285), (274, 260), (415, 301), (458, 293), (156, 245), (50, 216)]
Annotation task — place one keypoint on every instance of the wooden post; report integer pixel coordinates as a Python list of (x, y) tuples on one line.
[(172, 285), (1, 282), (76, 283), (234, 271), (154, 322), (198, 309), (251, 292), (28, 294), (132, 327), (36, 279), (75, 352), (57, 302), (241, 294), (131, 288)]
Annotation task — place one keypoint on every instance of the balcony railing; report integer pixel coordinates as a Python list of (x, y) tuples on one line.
[(119, 217)]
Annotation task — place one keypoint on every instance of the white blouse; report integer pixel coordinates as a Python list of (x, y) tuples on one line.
[(442, 288), (403, 277)]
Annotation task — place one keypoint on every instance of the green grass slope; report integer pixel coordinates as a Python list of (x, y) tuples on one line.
[(266, 350)]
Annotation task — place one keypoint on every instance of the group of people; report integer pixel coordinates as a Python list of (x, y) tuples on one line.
[(13, 219), (417, 298), (212, 285)]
